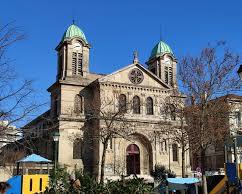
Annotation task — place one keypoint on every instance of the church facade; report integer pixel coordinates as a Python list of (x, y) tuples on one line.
[(141, 88)]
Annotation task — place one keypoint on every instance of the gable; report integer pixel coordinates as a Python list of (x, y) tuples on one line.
[(125, 76)]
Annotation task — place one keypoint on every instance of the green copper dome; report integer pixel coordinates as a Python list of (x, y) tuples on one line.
[(74, 31), (160, 49)]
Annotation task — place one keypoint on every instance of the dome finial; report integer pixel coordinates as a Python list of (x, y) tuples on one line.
[(135, 60)]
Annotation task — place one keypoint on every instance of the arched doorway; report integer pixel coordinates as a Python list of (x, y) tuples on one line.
[(133, 159)]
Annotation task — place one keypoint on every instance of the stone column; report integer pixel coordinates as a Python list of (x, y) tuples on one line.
[(142, 103), (162, 69), (174, 73), (64, 62), (85, 60), (68, 61)]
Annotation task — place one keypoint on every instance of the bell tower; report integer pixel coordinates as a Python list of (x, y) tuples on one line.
[(73, 54), (162, 63)]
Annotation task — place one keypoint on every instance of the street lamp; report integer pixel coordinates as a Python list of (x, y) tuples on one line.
[(56, 137), (235, 138), (240, 72)]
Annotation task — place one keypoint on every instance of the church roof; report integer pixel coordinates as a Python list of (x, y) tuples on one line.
[(160, 48), (73, 31), (159, 80)]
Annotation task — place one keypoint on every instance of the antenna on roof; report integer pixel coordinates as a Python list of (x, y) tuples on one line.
[(73, 12), (161, 32)]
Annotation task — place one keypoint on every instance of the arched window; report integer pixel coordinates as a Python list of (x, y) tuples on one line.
[(149, 106), (175, 152), (136, 105), (74, 63), (173, 112), (122, 103), (165, 142), (168, 70), (77, 149), (77, 63), (166, 75), (171, 76), (78, 104)]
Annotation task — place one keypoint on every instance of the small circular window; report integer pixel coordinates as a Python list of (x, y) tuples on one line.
[(136, 76)]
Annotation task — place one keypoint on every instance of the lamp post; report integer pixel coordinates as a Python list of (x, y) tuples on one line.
[(235, 142), (236, 163), (56, 137)]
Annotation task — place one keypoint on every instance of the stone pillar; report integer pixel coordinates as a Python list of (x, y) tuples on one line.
[(162, 69), (174, 69), (142, 104), (69, 61), (64, 62), (157, 69), (85, 60), (154, 155)]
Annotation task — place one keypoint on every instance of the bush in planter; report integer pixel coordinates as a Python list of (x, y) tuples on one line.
[(60, 184), (123, 186), (89, 184), (134, 186), (59, 180)]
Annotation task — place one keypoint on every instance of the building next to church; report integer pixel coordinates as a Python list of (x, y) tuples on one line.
[(229, 123), (145, 86)]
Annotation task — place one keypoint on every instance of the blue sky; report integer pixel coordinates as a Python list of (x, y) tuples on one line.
[(115, 29)]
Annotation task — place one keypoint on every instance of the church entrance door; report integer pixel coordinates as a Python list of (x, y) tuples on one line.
[(133, 159)]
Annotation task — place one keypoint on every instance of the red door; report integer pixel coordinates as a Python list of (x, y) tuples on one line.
[(133, 159)]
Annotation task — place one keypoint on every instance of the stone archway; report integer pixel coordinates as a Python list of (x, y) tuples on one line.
[(135, 152), (133, 159), (146, 153)]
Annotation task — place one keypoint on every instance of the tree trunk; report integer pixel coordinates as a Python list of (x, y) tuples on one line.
[(202, 159), (183, 161), (183, 144), (202, 150), (105, 145)]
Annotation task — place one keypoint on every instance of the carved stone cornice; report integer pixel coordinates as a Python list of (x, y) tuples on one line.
[(135, 87)]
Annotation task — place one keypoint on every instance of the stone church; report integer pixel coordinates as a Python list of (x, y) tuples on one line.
[(142, 87)]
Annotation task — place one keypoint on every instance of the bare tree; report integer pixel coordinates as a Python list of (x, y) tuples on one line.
[(17, 102), (204, 77), (112, 123), (173, 125)]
